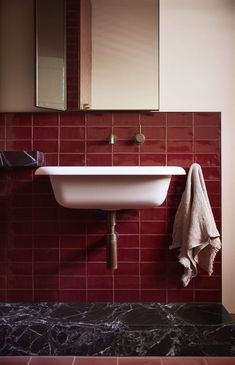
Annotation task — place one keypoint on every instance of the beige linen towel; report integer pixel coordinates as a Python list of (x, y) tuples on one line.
[(195, 232)]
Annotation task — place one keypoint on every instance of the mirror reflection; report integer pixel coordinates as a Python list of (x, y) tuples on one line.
[(98, 54)]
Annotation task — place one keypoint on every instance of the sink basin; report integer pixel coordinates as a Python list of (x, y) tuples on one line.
[(110, 188)]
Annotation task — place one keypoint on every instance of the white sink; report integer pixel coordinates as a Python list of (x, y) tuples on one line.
[(110, 188)]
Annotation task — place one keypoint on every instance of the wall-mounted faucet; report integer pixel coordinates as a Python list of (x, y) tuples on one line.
[(112, 138), (139, 138)]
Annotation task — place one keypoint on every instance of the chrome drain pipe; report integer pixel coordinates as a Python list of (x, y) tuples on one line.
[(112, 240)]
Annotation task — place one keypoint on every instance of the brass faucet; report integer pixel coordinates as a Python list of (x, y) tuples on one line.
[(112, 138)]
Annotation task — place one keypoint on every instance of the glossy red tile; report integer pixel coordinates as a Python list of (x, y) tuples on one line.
[(71, 119), (180, 147), (45, 119), (154, 241), (45, 133), (130, 282), (72, 147), (18, 145), (152, 159), (139, 361), (152, 133), (99, 295), (130, 268), (153, 146), (153, 228), (126, 133), (153, 118), (205, 282), (124, 296), (72, 133), (212, 147), (98, 147), (183, 361), (158, 296), (100, 282), (46, 295), (14, 360), (126, 118), (74, 159), (153, 254), (153, 282), (98, 133), (183, 160), (46, 255), (99, 160), (99, 118), (20, 295), (207, 133), (73, 282), (207, 119), (180, 295), (52, 360), (95, 360), (18, 119), (207, 159), (153, 268), (19, 282), (220, 361), (125, 160), (72, 296), (126, 254), (19, 268), (179, 119), (126, 146), (46, 282), (180, 133), (18, 132), (207, 295)]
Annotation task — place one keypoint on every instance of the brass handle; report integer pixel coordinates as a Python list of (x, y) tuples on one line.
[(139, 138)]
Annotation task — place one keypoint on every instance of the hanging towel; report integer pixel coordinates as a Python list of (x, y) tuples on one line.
[(194, 231)]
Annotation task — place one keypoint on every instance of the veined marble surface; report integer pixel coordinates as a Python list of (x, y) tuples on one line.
[(21, 159), (119, 329)]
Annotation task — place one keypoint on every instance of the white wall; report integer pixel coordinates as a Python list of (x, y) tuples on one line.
[(124, 54), (197, 73), (17, 71)]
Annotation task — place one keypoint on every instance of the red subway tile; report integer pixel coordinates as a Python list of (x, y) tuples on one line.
[(211, 282), (99, 282), (180, 133), (16, 296), (45, 133), (77, 132), (98, 133), (73, 268), (153, 268), (51, 360), (95, 360), (158, 296), (153, 118), (46, 255), (128, 241), (129, 282), (72, 159), (124, 296), (98, 118), (17, 145), (207, 133), (98, 269), (153, 282), (72, 282), (153, 227), (20, 255), (45, 119), (72, 119), (152, 254), (207, 159), (19, 282), (18, 119), (183, 160), (153, 146), (19, 268), (183, 361), (152, 159), (51, 159), (126, 133), (99, 160), (179, 119), (154, 241), (126, 146), (14, 360), (126, 160), (126, 118), (220, 360), (100, 295), (71, 255), (19, 132), (130, 268), (211, 173), (139, 361), (180, 147), (72, 146), (207, 296), (212, 147), (46, 296), (182, 296), (46, 282), (46, 268), (127, 227), (98, 147), (154, 132), (72, 296), (207, 119), (69, 241), (126, 254)]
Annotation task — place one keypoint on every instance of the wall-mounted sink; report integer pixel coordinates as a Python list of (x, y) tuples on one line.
[(110, 188)]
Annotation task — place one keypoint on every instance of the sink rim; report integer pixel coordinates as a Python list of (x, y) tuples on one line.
[(110, 170)]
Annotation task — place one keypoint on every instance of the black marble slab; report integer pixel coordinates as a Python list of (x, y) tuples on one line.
[(119, 329), (11, 159)]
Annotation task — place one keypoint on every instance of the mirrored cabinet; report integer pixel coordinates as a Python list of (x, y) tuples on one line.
[(97, 54)]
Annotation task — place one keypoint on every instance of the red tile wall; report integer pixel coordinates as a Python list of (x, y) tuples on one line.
[(49, 253)]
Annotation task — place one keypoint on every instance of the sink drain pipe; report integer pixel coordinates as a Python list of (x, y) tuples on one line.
[(112, 239)]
